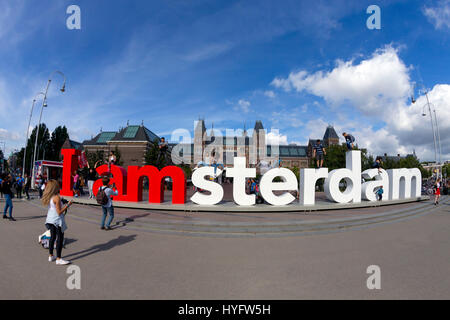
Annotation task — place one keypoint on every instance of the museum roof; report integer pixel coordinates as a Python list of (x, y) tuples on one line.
[(100, 139), (330, 133), (135, 133), (293, 151)]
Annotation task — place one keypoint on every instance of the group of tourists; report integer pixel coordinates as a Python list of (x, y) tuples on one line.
[(319, 153), (55, 221), (57, 210), (58, 207)]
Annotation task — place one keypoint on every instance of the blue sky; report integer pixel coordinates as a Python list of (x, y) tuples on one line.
[(294, 65)]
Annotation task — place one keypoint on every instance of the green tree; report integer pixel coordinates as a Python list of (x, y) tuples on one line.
[(446, 170), (59, 136), (335, 157), (296, 171), (94, 157), (151, 156), (118, 155), (43, 147), (187, 170)]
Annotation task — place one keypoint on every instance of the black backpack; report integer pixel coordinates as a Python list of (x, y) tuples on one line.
[(101, 197)]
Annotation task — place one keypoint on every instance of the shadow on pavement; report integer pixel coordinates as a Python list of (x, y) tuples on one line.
[(121, 240), (68, 241), (127, 220), (31, 218)]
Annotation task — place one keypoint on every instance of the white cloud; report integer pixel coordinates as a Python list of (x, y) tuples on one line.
[(287, 118), (243, 106), (439, 15), (373, 82), (378, 87), (8, 135), (269, 93), (275, 138), (207, 51), (10, 141)]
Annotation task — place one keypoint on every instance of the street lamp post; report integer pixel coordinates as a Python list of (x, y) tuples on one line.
[(44, 104), (27, 133), (438, 136), (434, 127), (432, 124)]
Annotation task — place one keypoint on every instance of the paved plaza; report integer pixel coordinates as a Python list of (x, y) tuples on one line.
[(131, 262)]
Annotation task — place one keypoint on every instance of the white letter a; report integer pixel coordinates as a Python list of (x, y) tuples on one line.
[(73, 21), (374, 21)]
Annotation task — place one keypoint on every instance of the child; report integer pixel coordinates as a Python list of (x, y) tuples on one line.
[(379, 193), (76, 184)]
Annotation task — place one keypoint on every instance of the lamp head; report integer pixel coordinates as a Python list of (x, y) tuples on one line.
[(424, 114), (45, 105), (63, 89)]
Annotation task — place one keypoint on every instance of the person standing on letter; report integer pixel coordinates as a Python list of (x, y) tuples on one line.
[(318, 153), (163, 147), (349, 140)]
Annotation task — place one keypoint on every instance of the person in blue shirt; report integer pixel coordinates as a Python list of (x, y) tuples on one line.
[(253, 186), (349, 140), (19, 186), (319, 152), (379, 193), (6, 189), (378, 164)]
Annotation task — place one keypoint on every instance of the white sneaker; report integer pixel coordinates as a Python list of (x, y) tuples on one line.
[(62, 262), (51, 259)]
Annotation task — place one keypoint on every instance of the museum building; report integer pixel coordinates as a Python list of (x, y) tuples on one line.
[(133, 142)]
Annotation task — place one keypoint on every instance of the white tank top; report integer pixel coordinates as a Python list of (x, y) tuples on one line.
[(53, 205), (53, 217)]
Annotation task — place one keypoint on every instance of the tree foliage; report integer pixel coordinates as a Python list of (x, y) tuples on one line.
[(151, 156), (446, 170), (94, 157), (48, 146), (59, 136), (118, 155), (335, 157)]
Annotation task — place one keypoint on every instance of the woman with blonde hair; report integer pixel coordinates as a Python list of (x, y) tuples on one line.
[(55, 221)]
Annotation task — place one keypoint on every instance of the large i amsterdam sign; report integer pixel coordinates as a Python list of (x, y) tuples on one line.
[(397, 183)]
